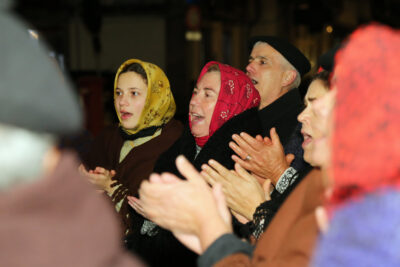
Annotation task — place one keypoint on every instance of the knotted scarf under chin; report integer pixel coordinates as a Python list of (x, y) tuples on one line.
[(142, 133), (201, 141)]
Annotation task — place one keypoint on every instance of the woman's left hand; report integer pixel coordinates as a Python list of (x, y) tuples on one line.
[(242, 190), (264, 157), (100, 177)]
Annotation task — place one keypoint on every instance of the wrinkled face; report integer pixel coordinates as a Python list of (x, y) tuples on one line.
[(266, 72), (130, 97), (324, 107), (202, 103), (313, 119)]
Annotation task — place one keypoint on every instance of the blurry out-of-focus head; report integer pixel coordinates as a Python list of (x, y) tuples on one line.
[(37, 103), (366, 143)]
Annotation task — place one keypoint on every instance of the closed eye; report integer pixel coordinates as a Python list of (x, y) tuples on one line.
[(311, 99)]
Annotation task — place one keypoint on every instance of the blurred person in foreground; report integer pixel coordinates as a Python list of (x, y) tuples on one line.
[(365, 171), (50, 215)]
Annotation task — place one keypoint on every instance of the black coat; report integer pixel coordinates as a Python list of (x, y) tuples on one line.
[(163, 249), (282, 114), (217, 147)]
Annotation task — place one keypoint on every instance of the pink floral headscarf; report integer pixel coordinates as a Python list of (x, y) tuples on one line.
[(236, 95)]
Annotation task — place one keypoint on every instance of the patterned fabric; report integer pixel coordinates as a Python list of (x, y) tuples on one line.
[(160, 104), (236, 95), (149, 228), (287, 178), (366, 143), (266, 211)]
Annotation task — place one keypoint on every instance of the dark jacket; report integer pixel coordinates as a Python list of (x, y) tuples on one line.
[(136, 166), (282, 114)]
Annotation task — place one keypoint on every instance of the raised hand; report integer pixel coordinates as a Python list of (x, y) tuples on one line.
[(242, 190), (100, 177), (264, 157), (188, 208)]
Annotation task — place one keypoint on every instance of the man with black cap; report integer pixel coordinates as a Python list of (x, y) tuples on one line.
[(50, 215), (275, 67)]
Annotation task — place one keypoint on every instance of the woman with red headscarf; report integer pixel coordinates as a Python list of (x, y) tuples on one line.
[(224, 102)]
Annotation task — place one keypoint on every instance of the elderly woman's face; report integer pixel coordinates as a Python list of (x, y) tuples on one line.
[(313, 119), (202, 104)]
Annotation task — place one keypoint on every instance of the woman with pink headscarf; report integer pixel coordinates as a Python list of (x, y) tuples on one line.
[(224, 102)]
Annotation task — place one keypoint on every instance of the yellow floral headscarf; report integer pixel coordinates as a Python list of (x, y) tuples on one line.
[(160, 104)]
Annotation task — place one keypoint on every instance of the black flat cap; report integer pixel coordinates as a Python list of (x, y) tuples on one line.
[(34, 94), (327, 60), (287, 50)]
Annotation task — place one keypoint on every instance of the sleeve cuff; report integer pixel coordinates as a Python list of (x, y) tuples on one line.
[(286, 179), (224, 246)]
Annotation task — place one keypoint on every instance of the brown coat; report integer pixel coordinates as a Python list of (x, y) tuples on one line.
[(60, 220), (290, 238), (136, 166)]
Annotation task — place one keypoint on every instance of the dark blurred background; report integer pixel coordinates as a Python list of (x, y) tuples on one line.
[(91, 38)]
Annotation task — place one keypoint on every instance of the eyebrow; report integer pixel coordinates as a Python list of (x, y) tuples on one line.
[(205, 88), (209, 89), (259, 57), (130, 88)]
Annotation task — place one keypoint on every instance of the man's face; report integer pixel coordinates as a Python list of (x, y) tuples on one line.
[(266, 72)]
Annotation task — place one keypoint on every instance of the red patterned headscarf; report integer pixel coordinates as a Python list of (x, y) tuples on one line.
[(236, 95), (366, 139)]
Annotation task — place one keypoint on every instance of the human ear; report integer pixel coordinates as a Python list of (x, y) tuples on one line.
[(288, 77)]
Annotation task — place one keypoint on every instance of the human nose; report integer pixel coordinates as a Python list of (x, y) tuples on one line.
[(122, 99), (194, 100), (302, 117), (250, 67)]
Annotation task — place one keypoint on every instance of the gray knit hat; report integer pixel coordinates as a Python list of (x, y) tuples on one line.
[(34, 94)]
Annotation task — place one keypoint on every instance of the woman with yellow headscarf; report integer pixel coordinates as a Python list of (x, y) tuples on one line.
[(123, 155)]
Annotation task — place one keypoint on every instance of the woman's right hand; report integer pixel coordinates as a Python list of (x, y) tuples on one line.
[(194, 213), (242, 190), (100, 177)]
